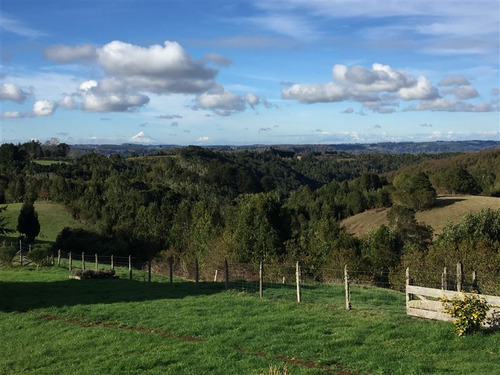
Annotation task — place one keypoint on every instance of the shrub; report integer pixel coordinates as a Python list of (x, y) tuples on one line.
[(91, 274), (7, 254), (469, 312), (39, 255)]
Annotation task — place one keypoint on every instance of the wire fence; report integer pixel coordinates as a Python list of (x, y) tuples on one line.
[(368, 289)]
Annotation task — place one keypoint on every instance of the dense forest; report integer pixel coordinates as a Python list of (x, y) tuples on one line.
[(275, 204)]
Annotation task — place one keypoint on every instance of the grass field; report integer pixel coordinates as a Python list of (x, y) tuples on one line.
[(52, 325), (448, 208), (53, 217)]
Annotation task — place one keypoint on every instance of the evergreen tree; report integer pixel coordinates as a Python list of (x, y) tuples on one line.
[(27, 222)]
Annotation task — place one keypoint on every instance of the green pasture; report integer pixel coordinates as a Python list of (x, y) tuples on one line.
[(53, 217), (50, 324)]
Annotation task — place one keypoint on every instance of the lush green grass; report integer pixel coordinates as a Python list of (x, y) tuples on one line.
[(52, 325), (53, 217)]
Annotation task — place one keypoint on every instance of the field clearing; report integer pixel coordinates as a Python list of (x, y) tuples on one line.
[(448, 209), (50, 324), (53, 217), (50, 162)]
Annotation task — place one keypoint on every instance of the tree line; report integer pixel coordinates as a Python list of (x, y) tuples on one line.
[(275, 205)]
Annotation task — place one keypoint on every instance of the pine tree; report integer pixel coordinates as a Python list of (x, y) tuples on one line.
[(27, 222)]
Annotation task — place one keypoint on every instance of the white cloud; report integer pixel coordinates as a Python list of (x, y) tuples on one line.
[(463, 92), (454, 80), (65, 54), (422, 90), (87, 85), (365, 86), (252, 99), (221, 101), (314, 92), (9, 91), (158, 69), (450, 105), (203, 139), (67, 102), (12, 114), (217, 59), (44, 108)]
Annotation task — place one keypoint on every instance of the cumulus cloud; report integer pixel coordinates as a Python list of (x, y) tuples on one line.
[(450, 105), (221, 101), (158, 69), (9, 91), (109, 96), (44, 108), (252, 99), (67, 102), (454, 80), (365, 86), (421, 91), (217, 59), (203, 139), (66, 54), (462, 92)]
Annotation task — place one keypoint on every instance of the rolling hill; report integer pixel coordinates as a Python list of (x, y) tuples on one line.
[(53, 217), (448, 208)]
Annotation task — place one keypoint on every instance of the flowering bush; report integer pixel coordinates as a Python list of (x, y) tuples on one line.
[(469, 312)]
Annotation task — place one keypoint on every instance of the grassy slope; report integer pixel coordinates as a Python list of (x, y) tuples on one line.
[(448, 208), (119, 327), (53, 217)]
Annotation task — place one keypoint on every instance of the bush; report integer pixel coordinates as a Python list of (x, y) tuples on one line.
[(40, 254), (469, 312), (7, 254), (91, 274)]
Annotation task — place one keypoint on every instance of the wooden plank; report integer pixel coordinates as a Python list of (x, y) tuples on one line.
[(427, 314), (427, 305), (438, 293)]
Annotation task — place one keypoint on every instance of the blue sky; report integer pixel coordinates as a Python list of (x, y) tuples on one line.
[(246, 72)]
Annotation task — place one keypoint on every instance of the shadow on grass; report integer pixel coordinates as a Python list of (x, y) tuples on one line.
[(25, 296), (446, 202)]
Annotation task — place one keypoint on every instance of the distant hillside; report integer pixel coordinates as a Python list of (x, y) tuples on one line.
[(448, 208), (383, 147), (53, 217)]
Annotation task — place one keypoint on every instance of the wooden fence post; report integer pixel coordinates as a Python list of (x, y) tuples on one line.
[(149, 270), (83, 260), (444, 280), (347, 289), (130, 267), (297, 276), (226, 274), (196, 271), (215, 277), (408, 281), (21, 252), (112, 262), (459, 276), (171, 269), (261, 279), (96, 262), (475, 286), (59, 258), (70, 261)]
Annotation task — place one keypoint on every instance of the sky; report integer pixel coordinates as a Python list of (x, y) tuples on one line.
[(237, 72)]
